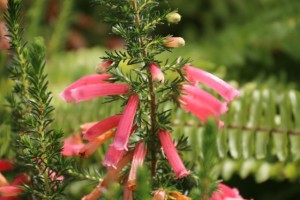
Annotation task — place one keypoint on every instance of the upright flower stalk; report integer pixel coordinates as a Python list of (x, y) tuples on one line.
[(142, 132)]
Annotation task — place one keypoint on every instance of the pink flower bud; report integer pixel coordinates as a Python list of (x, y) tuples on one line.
[(174, 42), (172, 155), (173, 17), (102, 67), (156, 72), (159, 195)]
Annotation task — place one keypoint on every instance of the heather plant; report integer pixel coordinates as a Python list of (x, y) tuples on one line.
[(143, 144), (144, 127)]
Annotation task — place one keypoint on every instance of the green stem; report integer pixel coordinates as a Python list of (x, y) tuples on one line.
[(152, 101)]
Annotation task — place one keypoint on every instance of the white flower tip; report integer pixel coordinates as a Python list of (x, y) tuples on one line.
[(119, 147), (233, 94), (65, 97), (223, 108), (108, 165)]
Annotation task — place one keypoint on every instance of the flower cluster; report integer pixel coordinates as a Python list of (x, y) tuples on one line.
[(121, 126), (199, 102)]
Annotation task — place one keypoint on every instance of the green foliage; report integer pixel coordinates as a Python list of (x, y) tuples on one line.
[(59, 34), (38, 146), (143, 190), (207, 160)]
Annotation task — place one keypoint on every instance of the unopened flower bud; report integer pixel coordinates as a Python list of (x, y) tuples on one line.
[(159, 195), (156, 72), (102, 67), (174, 42), (173, 17)]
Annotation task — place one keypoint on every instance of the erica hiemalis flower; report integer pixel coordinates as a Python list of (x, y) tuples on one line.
[(172, 155), (199, 102)]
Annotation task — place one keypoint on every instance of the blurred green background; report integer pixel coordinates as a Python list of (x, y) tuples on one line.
[(254, 44)]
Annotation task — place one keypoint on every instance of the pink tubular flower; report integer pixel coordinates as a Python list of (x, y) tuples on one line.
[(101, 127), (10, 191), (195, 75), (113, 156), (226, 193), (102, 67), (174, 42), (88, 92), (125, 124), (89, 148), (171, 154), (84, 81), (72, 146), (200, 110), (159, 195), (156, 72), (137, 161), (5, 165)]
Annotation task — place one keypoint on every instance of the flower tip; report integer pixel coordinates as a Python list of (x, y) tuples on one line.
[(234, 93), (64, 96), (220, 124), (108, 165), (223, 108), (183, 174), (102, 67), (119, 147), (157, 74)]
